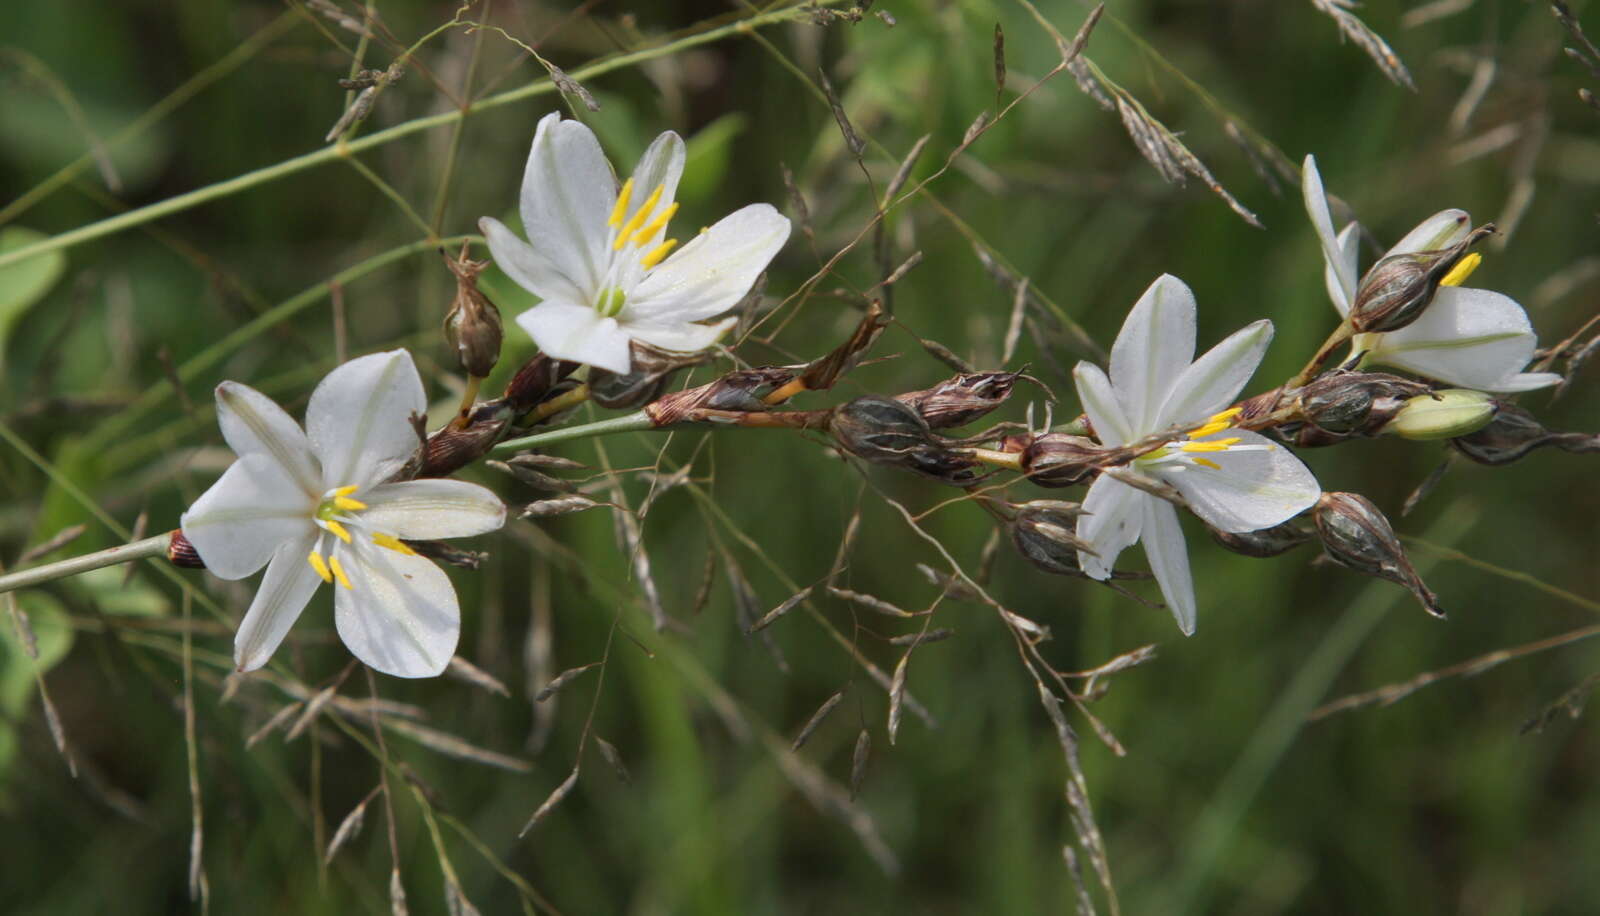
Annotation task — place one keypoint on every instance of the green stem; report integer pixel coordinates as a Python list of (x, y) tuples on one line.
[(138, 550), (633, 422), (338, 151)]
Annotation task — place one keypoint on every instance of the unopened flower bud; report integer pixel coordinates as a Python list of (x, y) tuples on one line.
[(1044, 531), (1267, 542), (1060, 460), (1442, 414), (473, 323), (652, 370), (1398, 289), (1355, 403), (182, 553), (1513, 433), (962, 399), (539, 380), (885, 431), (1357, 535)]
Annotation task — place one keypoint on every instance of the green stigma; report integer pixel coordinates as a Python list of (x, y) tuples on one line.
[(610, 304)]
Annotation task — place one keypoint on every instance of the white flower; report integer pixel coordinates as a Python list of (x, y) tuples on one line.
[(1234, 479), (1474, 338), (313, 507), (599, 257)]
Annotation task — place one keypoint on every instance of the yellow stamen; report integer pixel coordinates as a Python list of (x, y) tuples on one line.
[(656, 254), (643, 236), (317, 564), (348, 504), (338, 571), (1215, 424), (638, 218), (621, 206), (346, 491), (393, 543), (1220, 445), (339, 531), (1208, 463), (1463, 269)]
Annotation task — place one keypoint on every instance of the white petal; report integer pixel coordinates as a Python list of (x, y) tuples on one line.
[(401, 616), (1349, 243), (287, 586), (527, 267), (578, 333), (251, 509), (713, 271), (432, 509), (1252, 490), (568, 191), (1524, 381), (1440, 230), (660, 166), (1169, 560), (1111, 521), (680, 337), (359, 418), (1472, 338), (1215, 379), (1316, 201), (1154, 346), (253, 424), (1105, 412)]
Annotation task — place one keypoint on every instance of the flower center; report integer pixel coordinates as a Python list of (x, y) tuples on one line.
[(337, 513), (1189, 452), (641, 231)]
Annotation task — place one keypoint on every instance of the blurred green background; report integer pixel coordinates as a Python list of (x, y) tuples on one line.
[(1226, 800)]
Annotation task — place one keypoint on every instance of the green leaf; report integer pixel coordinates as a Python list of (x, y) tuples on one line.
[(25, 282)]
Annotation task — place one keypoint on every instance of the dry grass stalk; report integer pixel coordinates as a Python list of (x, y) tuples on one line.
[(464, 670), (1077, 792), (858, 762), (768, 618), (1571, 702), (452, 746), (871, 603), (816, 719), (561, 505), (57, 541), (350, 827), (1085, 903), (614, 758), (555, 798), (897, 692), (561, 680), (1351, 27), (938, 634)]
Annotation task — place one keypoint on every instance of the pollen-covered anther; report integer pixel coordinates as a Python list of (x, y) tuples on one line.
[(337, 569), (638, 218), (621, 206), (1218, 445), (655, 255), (643, 236), (393, 543), (339, 531), (320, 566), (1463, 269), (1216, 424)]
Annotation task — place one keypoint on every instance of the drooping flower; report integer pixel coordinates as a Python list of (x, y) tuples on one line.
[(599, 257), (1233, 479), (317, 506), (1474, 338)]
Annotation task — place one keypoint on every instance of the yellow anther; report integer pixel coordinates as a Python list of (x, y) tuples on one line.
[(1208, 463), (321, 567), (393, 543), (346, 491), (1215, 424), (654, 255), (1220, 445), (348, 504), (338, 571), (638, 218), (643, 236), (621, 205), (339, 531), (1463, 269)]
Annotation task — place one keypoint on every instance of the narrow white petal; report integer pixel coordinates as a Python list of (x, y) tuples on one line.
[(713, 271), (578, 333), (660, 166), (1349, 243), (1248, 490), (288, 585), (1155, 344), (1169, 560), (400, 616), (430, 509), (1472, 338), (526, 266), (251, 509), (568, 191), (1524, 381), (679, 337), (1440, 230), (1111, 521), (359, 418), (1105, 412), (1316, 201), (253, 424), (1215, 379)]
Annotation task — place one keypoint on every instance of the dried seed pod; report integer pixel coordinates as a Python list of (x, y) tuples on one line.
[(1442, 415), (538, 380), (885, 431), (1267, 542), (652, 370), (453, 447), (1060, 460), (1399, 288), (742, 390), (961, 400), (1044, 531), (1355, 403), (473, 323), (1514, 433), (1357, 535)]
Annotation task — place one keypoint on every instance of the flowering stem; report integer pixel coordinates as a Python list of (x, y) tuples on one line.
[(1340, 334), (138, 550), (468, 398), (633, 422), (557, 404)]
